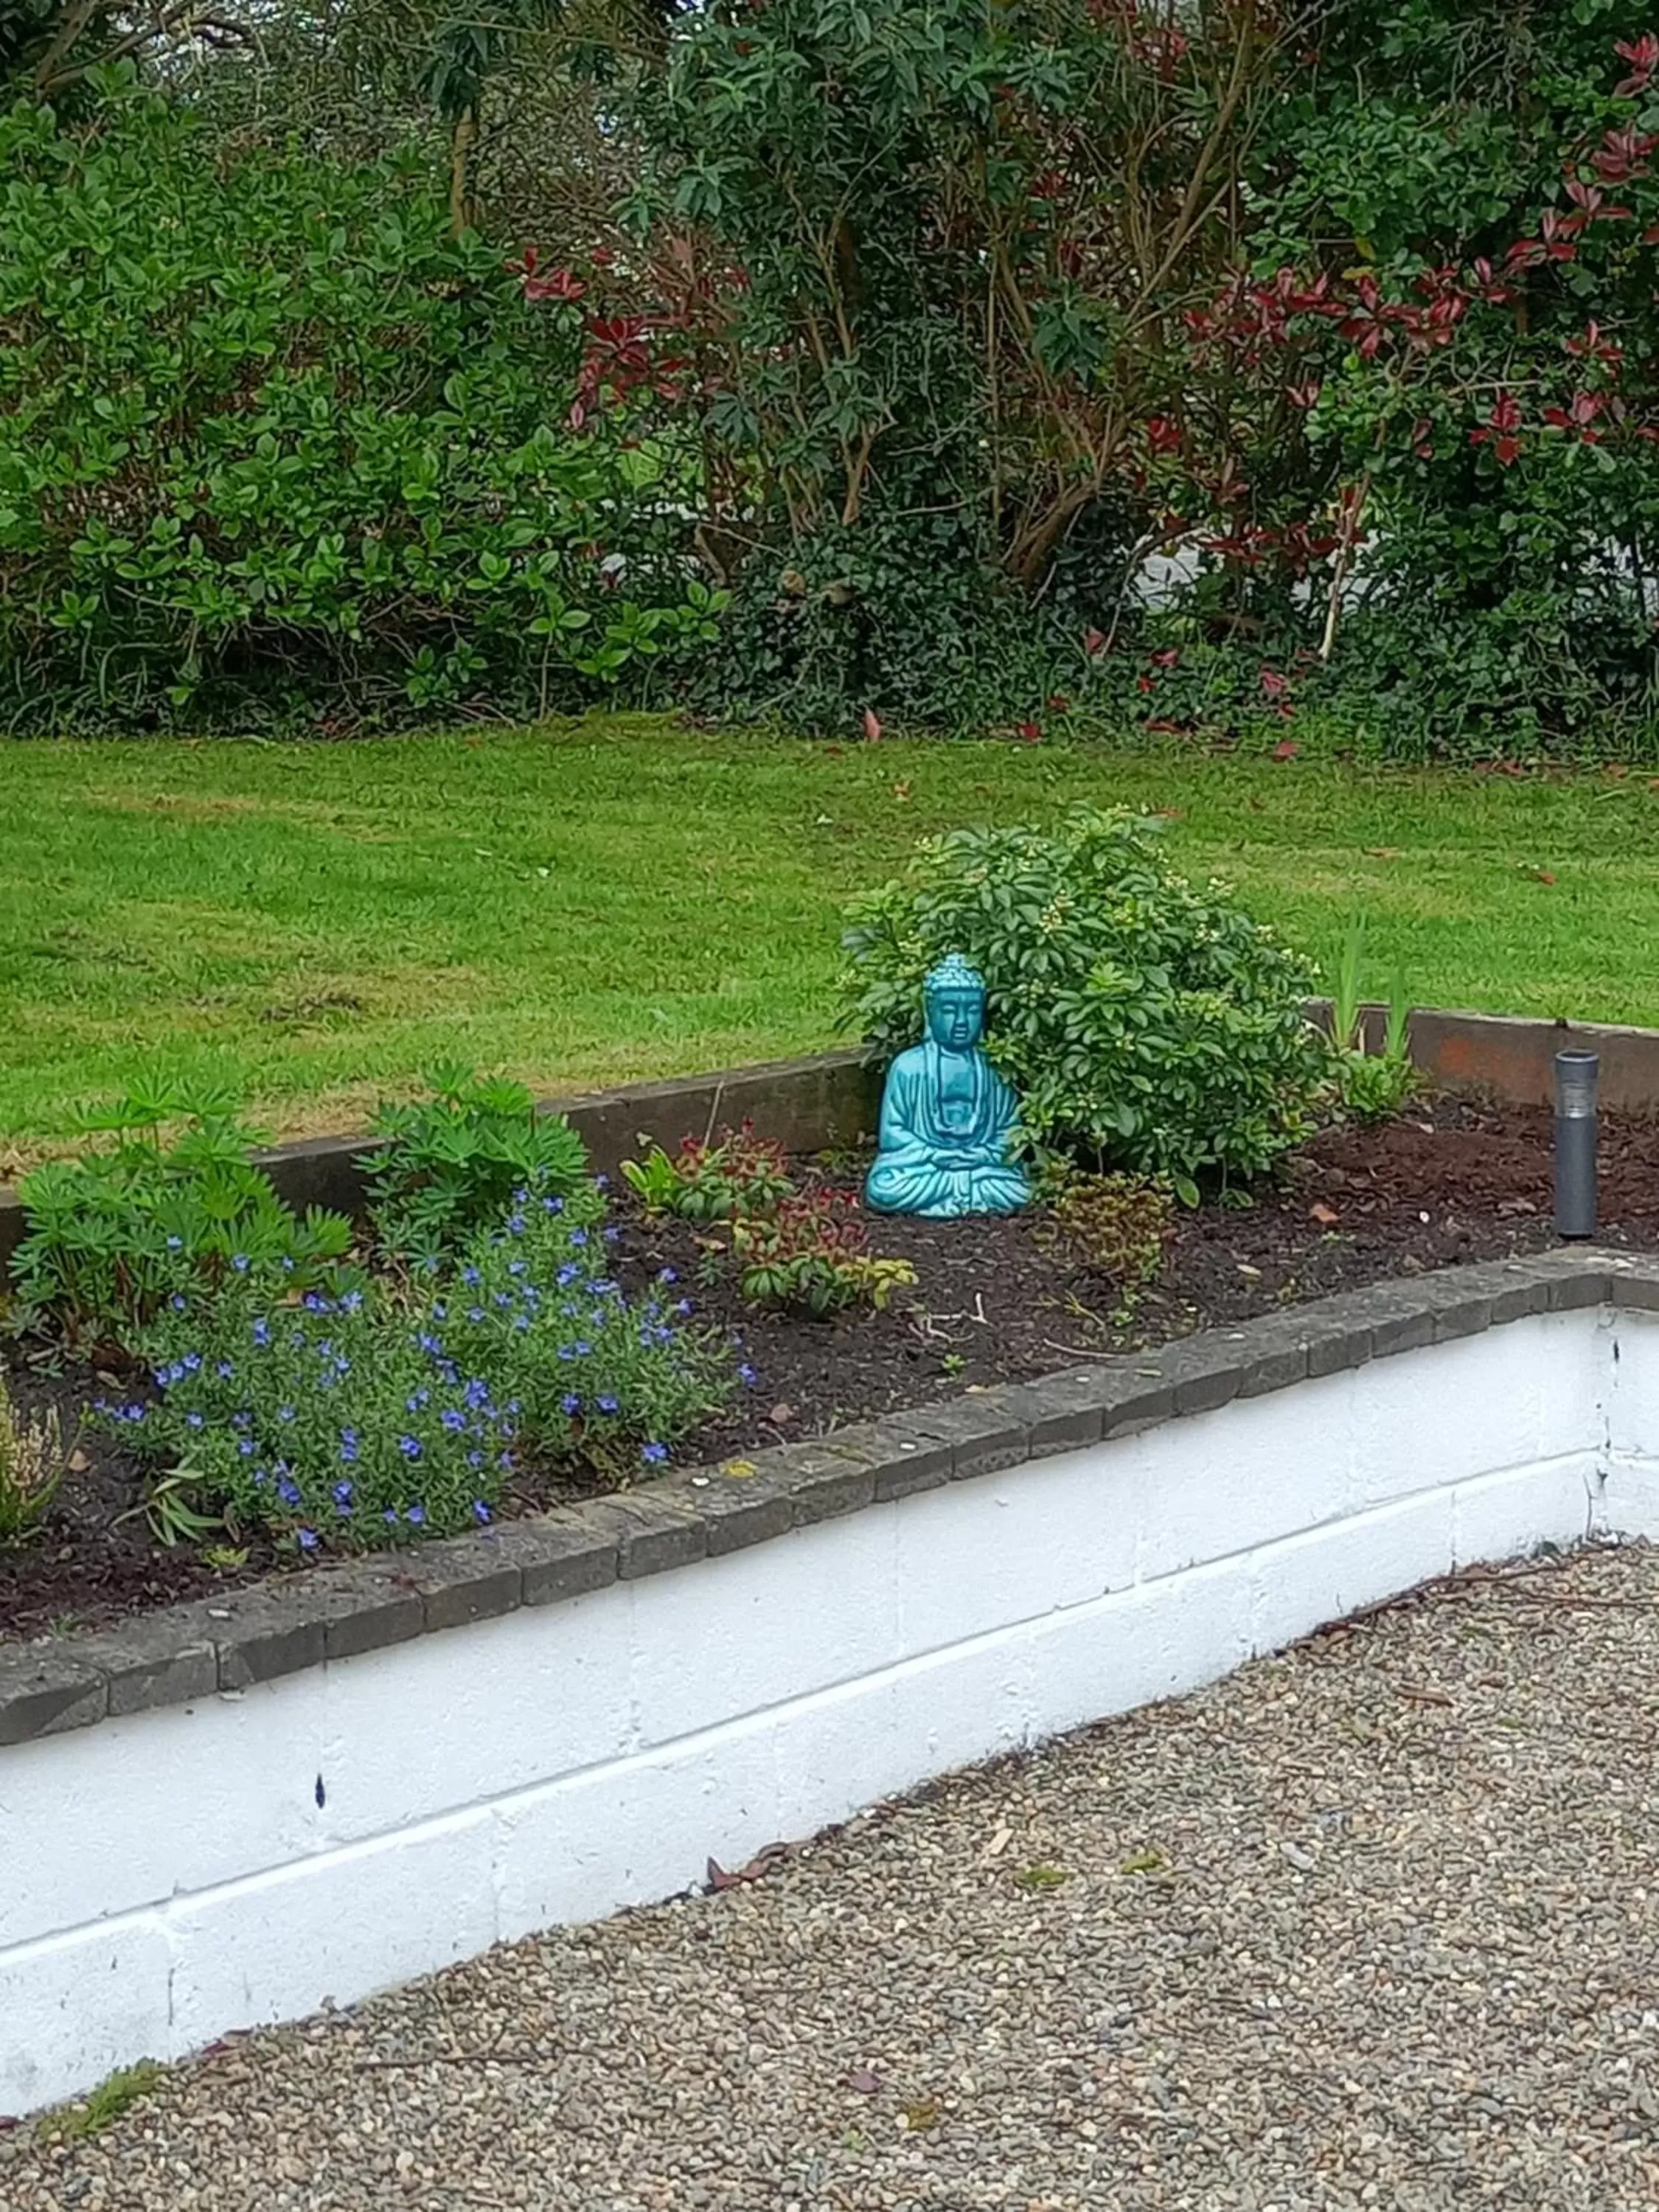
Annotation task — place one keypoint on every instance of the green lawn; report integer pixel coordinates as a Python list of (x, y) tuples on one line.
[(616, 898)]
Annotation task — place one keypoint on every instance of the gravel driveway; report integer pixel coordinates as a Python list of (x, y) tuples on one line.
[(1374, 1924)]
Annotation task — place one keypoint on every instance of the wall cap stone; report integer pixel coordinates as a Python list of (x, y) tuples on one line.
[(228, 1644)]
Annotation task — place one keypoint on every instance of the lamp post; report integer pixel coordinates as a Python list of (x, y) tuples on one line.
[(1578, 1075)]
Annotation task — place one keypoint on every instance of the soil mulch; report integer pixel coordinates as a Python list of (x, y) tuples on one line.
[(1449, 1181)]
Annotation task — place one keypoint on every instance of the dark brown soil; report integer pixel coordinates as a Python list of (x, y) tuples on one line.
[(1449, 1181)]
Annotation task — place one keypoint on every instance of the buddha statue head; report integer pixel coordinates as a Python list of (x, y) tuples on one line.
[(954, 998)]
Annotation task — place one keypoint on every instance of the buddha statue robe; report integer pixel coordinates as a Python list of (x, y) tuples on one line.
[(946, 1116)]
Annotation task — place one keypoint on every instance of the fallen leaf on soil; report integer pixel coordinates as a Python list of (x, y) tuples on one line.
[(998, 1843), (1325, 1216), (77, 1462), (901, 790), (1383, 852), (1540, 875), (922, 2115), (1146, 1862), (863, 2081), (780, 1414), (737, 1468)]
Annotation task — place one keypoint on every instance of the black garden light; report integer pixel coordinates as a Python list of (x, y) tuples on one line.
[(1578, 1075)]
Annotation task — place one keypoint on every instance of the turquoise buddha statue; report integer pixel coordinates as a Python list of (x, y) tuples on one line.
[(946, 1114)]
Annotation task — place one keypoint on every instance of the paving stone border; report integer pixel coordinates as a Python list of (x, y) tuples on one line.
[(226, 1644)]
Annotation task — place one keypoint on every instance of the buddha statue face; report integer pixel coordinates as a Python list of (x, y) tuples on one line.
[(955, 1015)]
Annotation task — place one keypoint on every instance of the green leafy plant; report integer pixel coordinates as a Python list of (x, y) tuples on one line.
[(360, 1416), (176, 1195), (336, 455), (812, 1252), (740, 1174), (102, 2107), (450, 1163), (1145, 1024), (1114, 1225), (169, 1511), (33, 1464), (1369, 1085)]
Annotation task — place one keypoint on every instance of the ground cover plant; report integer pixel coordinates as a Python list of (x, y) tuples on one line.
[(328, 1386), (314, 926)]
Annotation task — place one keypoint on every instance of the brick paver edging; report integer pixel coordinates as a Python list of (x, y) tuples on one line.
[(227, 1642)]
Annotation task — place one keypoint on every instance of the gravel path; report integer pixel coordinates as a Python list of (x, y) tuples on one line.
[(1375, 1923)]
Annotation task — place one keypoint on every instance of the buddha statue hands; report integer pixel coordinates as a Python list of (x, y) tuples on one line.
[(946, 1114)]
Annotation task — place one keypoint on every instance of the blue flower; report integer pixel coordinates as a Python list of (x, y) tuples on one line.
[(410, 1447), (288, 1491), (175, 1243), (477, 1395), (578, 1236), (747, 1374), (287, 1265), (342, 1496), (654, 1455), (193, 1419), (240, 1261), (571, 1402), (668, 1275), (246, 1447), (475, 1313), (682, 1308), (480, 1512), (262, 1331), (225, 1371), (453, 1420), (348, 1445), (515, 1227), (179, 1302), (390, 1516), (606, 1403), (552, 1205), (611, 1234), (307, 1539), (285, 1412), (192, 1362), (471, 1277), (352, 1302), (475, 1459), (415, 1516)]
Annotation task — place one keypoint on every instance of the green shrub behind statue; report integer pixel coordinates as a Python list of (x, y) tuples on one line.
[(1145, 1022), (271, 439)]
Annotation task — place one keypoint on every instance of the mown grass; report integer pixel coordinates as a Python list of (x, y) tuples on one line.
[(617, 898)]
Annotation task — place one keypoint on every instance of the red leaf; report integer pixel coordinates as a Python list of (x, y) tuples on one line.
[(1029, 731), (1286, 749), (862, 2078), (1274, 685), (872, 727), (1094, 642)]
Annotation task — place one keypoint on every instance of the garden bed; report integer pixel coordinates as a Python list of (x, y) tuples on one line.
[(1451, 1181)]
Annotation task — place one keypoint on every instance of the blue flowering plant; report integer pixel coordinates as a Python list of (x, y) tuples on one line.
[(173, 1195), (363, 1414), (448, 1164)]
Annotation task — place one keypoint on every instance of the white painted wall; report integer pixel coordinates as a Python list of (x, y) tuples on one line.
[(170, 1875)]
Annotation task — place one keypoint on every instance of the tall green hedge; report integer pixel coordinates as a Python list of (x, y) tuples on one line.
[(271, 439)]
